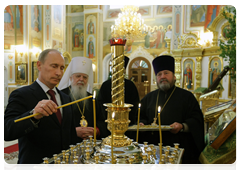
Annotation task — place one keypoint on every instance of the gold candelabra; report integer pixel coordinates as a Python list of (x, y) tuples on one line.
[(118, 106), (129, 23)]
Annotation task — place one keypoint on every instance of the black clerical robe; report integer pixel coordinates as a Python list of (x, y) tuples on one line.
[(88, 113), (182, 107), (130, 97)]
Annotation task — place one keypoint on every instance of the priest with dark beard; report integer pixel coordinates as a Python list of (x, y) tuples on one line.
[(179, 109), (77, 82)]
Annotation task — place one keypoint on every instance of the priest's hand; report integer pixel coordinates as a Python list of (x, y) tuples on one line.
[(84, 132), (141, 124), (176, 127)]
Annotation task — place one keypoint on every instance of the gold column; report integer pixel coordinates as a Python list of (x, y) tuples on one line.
[(118, 107), (118, 75), (168, 40), (198, 72), (177, 54), (215, 38)]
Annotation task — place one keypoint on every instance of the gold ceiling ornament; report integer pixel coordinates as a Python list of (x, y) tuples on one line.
[(129, 24)]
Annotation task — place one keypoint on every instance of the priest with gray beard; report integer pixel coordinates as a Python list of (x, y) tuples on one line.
[(77, 82)]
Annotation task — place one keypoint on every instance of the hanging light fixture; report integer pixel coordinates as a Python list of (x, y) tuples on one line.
[(129, 24)]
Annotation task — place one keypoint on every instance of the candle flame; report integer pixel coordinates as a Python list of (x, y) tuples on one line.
[(159, 109), (94, 94), (113, 115), (139, 105)]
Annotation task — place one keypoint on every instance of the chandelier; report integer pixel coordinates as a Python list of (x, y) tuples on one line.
[(129, 24)]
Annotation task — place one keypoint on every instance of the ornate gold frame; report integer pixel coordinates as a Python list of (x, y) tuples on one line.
[(21, 73)]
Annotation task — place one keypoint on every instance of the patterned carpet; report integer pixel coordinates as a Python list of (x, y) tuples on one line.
[(11, 152)]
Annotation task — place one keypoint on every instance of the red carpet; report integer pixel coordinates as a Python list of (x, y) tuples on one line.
[(12, 148)]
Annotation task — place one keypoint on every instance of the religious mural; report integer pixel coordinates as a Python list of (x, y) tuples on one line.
[(162, 9), (13, 13), (78, 36), (203, 15), (36, 26), (188, 74), (77, 8), (91, 36), (215, 68), (113, 13), (47, 27), (91, 47), (57, 22), (91, 27), (144, 11), (153, 42)]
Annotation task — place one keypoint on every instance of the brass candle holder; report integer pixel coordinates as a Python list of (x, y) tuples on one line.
[(118, 106)]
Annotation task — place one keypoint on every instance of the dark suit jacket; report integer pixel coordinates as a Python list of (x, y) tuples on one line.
[(49, 137)]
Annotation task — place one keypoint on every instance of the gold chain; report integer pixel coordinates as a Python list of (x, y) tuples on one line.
[(165, 102), (78, 105)]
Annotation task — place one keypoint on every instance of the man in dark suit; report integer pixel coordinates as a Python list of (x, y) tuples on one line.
[(53, 130)]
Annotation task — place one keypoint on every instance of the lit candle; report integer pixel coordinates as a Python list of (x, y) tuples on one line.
[(113, 115), (94, 114), (112, 28), (139, 107), (160, 132)]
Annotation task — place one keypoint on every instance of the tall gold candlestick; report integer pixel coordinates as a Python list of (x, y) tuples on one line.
[(160, 132), (113, 115), (94, 115), (139, 107)]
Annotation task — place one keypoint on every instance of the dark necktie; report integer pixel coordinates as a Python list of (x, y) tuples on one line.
[(58, 114)]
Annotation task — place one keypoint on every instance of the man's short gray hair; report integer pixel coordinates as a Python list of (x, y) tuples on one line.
[(42, 56)]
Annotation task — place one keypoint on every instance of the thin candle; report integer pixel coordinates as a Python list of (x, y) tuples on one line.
[(160, 132), (139, 107), (76, 101), (94, 115), (113, 115)]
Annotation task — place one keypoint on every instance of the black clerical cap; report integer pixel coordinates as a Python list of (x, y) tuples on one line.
[(163, 62), (126, 60)]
